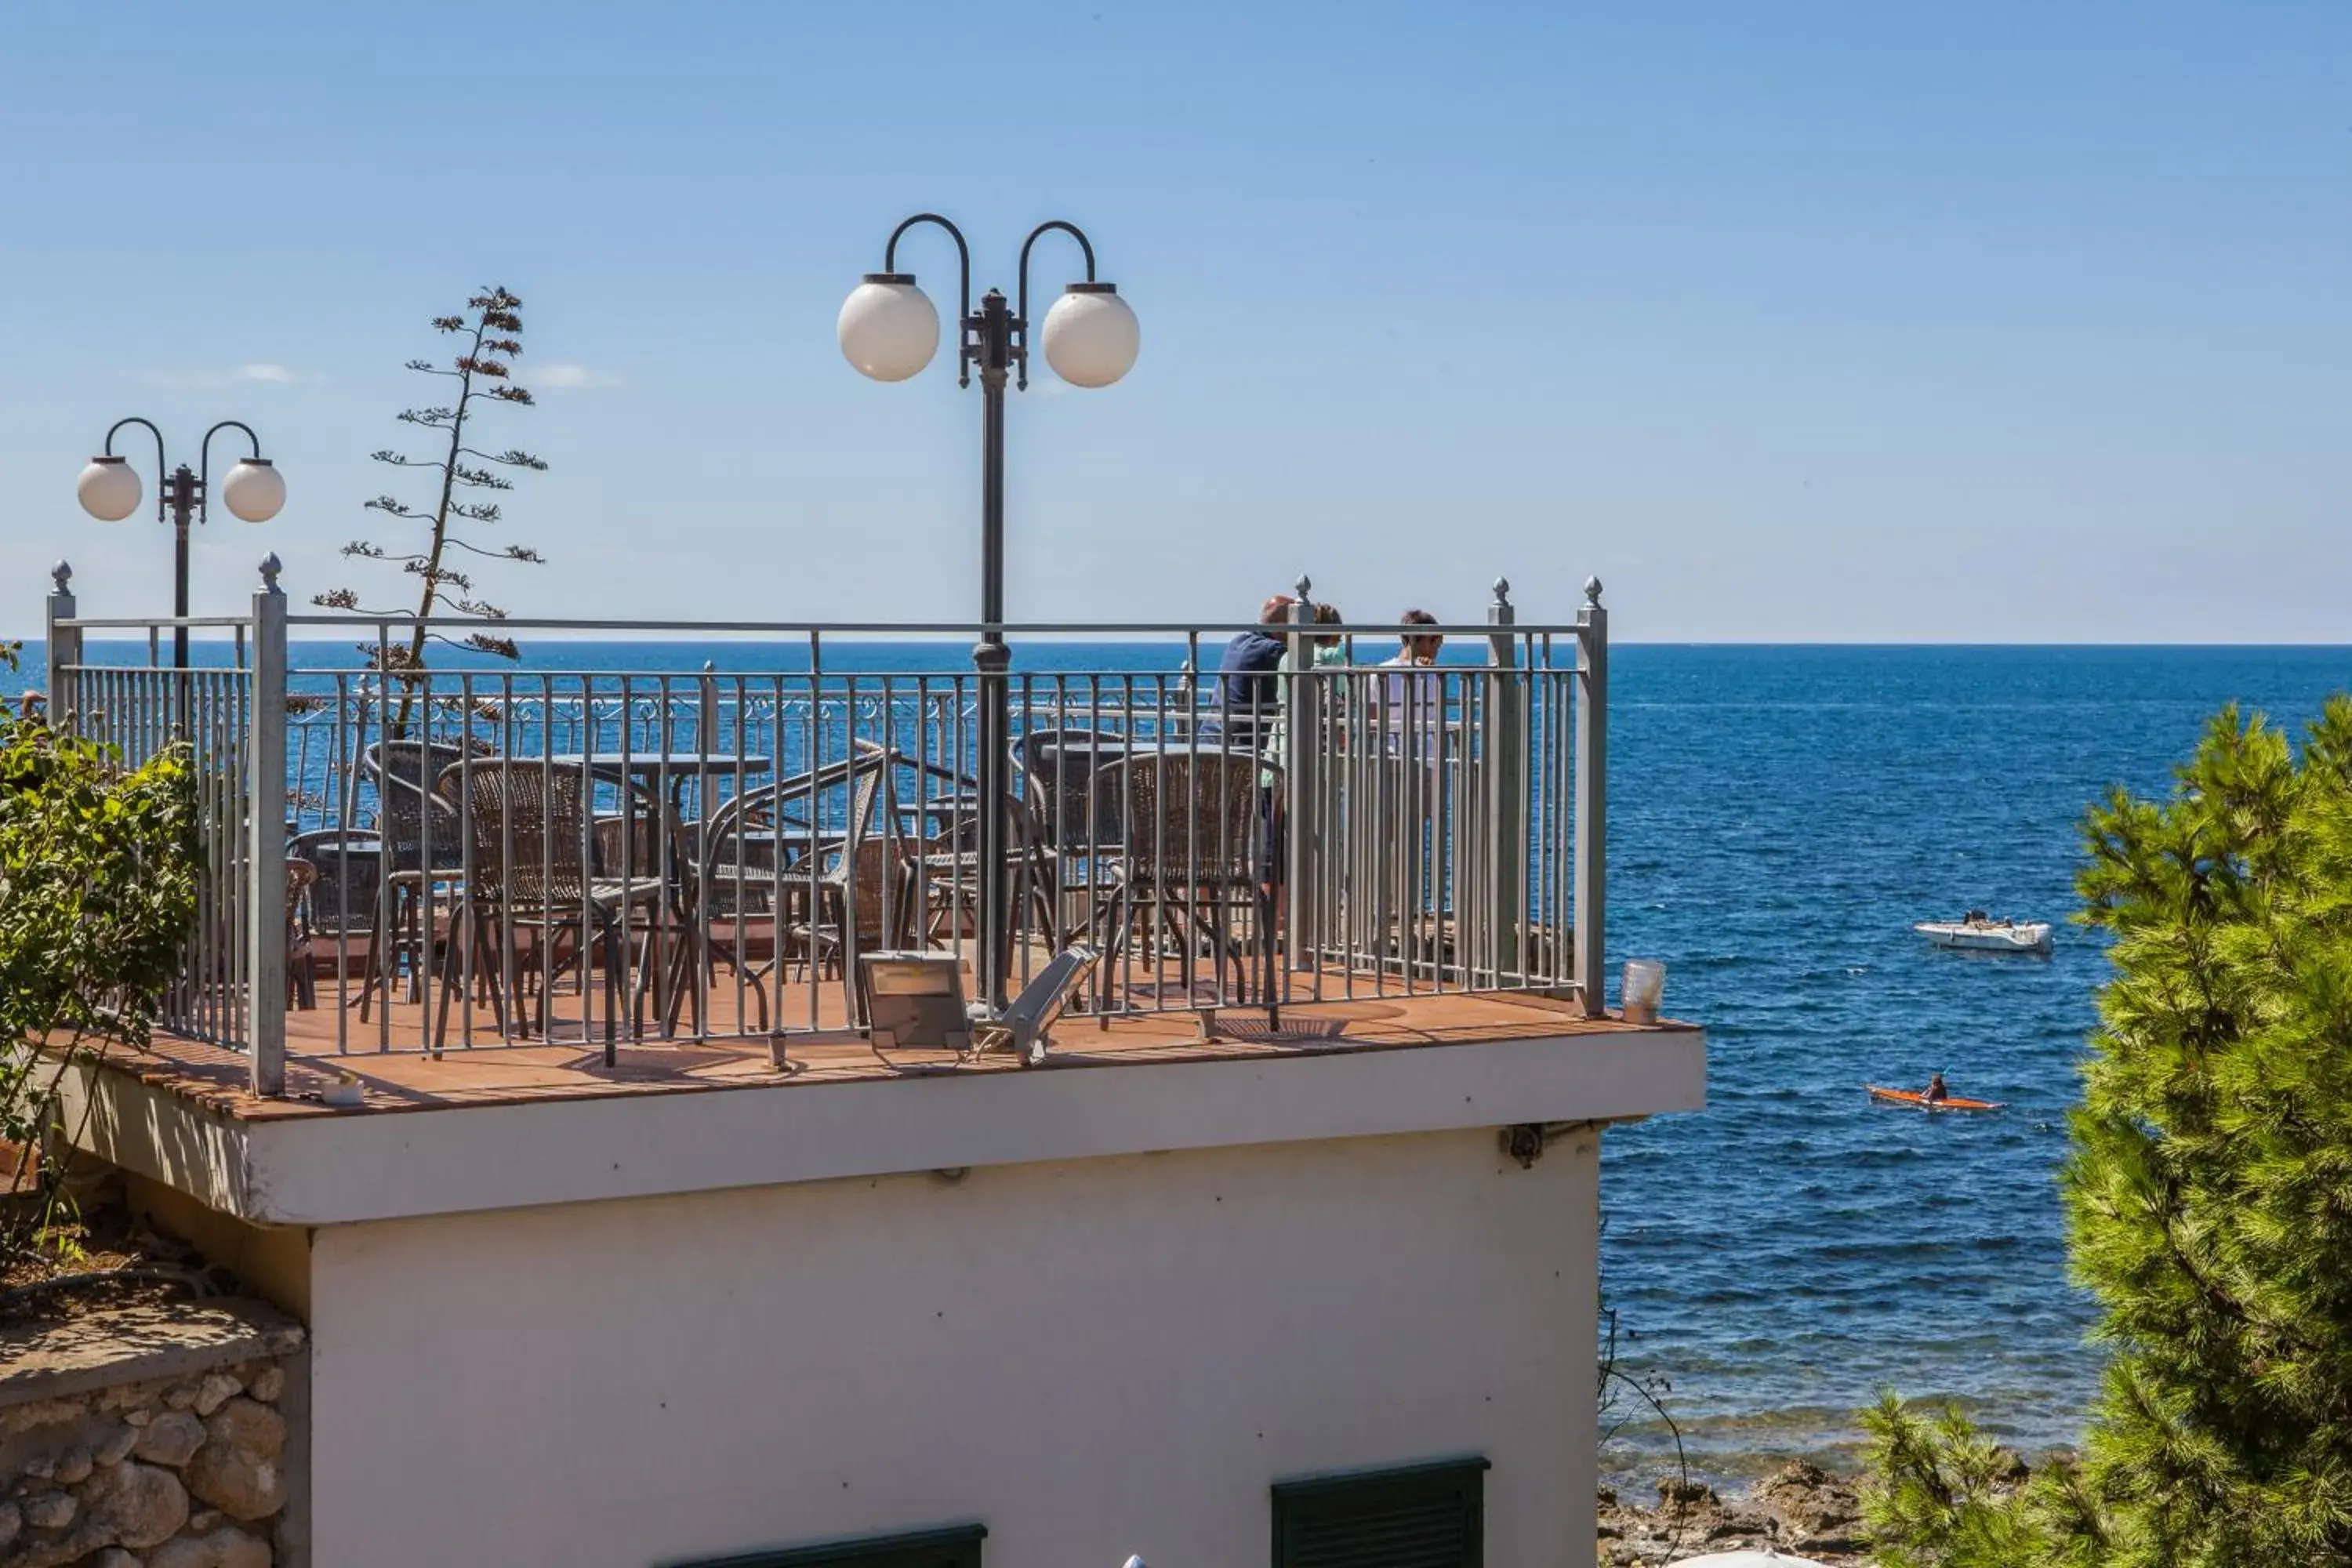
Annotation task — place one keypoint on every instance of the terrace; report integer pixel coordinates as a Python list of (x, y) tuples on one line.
[(476, 884), (733, 1024)]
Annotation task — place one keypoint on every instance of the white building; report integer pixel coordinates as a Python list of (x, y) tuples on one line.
[(1213, 1304), (1285, 1254)]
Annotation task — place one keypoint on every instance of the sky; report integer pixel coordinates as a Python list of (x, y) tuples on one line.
[(1798, 322)]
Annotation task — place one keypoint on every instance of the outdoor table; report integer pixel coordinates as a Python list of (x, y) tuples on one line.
[(913, 815), (640, 771), (352, 843), (644, 768), (792, 845)]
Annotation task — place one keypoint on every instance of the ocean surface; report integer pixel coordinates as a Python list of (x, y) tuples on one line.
[(1778, 817)]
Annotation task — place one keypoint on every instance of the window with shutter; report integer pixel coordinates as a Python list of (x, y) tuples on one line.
[(958, 1548), (1425, 1516)]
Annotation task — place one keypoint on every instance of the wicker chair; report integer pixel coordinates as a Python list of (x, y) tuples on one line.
[(739, 879), (530, 834), (422, 828), (424, 843), (952, 879), (1195, 859), (341, 902), (1080, 800), (343, 891), (865, 904), (1076, 826)]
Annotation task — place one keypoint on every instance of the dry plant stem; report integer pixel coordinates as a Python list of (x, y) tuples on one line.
[(1612, 1377)]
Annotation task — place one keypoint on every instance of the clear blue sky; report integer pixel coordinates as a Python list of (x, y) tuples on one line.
[(1792, 321)]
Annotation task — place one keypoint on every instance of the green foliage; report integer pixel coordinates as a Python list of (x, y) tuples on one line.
[(98, 891), (1940, 1493), (2209, 1194)]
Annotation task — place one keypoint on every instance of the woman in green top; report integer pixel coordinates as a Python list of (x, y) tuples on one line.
[(1327, 652)]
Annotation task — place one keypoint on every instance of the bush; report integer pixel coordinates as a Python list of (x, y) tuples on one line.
[(98, 891)]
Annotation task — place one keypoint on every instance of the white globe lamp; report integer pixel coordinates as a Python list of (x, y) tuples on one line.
[(889, 328), (1091, 335), (254, 491), (109, 489)]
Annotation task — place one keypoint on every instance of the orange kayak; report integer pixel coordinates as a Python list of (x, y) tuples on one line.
[(1912, 1096)]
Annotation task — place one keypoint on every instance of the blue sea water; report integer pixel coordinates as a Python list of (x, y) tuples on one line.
[(1778, 817)]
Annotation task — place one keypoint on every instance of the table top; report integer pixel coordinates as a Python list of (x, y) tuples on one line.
[(945, 805), (350, 844), (660, 762)]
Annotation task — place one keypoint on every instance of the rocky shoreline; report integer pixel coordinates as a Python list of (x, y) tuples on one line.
[(1799, 1507)]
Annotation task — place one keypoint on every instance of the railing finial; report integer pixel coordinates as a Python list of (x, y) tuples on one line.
[(1502, 590), (1304, 584), (1592, 590), (270, 567), (62, 574)]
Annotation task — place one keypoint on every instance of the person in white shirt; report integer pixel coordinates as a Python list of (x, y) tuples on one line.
[(1418, 651), (1413, 701)]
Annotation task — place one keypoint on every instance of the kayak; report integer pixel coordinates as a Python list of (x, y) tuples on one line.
[(1912, 1096)]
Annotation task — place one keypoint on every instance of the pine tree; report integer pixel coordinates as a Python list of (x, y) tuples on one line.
[(492, 334), (2209, 1194)]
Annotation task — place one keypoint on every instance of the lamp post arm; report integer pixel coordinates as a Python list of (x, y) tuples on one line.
[(162, 469), (205, 454), (203, 462), (964, 289), (1021, 326)]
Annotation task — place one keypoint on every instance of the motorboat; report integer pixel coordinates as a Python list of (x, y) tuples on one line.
[(1978, 931)]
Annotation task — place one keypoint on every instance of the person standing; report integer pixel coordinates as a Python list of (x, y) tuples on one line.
[(1419, 652), (1248, 688), (1325, 651), (1409, 698)]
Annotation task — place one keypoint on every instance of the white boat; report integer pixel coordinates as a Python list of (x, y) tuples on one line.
[(1979, 933)]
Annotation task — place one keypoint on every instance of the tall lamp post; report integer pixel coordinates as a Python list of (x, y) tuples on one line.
[(110, 492), (890, 330)]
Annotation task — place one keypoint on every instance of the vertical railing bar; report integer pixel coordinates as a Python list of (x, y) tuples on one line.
[(1591, 802), (384, 950), (340, 785), (1438, 900), (542, 779), (812, 744), (265, 918), (852, 831), (428, 1036)]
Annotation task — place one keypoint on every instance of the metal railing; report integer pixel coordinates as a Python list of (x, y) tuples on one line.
[(411, 859)]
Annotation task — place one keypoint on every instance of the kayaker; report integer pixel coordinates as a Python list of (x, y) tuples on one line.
[(1934, 1089)]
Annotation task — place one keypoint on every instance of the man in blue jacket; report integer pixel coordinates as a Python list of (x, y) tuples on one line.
[(1247, 689)]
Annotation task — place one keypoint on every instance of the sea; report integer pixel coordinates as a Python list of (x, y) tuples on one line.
[(1778, 817)]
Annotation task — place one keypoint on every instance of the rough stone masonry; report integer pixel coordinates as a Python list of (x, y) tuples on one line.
[(153, 1438)]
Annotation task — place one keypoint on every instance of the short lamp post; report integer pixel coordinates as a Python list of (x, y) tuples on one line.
[(889, 330), (253, 491)]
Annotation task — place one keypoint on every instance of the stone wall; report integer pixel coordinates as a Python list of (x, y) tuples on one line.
[(166, 1437)]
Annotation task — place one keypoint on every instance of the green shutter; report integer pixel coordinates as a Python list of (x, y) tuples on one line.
[(958, 1548), (1426, 1515)]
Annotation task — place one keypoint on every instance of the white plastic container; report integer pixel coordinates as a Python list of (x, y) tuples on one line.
[(1645, 983)]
